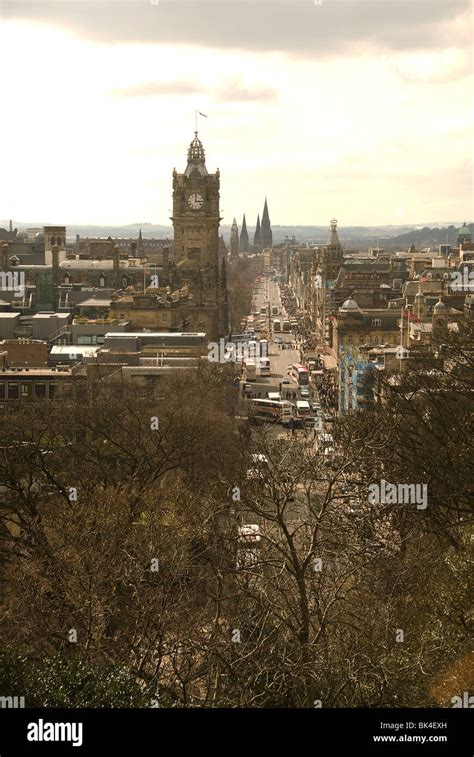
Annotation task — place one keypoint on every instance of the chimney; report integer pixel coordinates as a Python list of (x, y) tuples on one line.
[(55, 257), (11, 225), (116, 257), (5, 249), (165, 258)]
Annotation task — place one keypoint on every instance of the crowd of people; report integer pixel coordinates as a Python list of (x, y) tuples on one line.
[(328, 390)]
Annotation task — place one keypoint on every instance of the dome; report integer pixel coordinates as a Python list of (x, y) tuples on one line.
[(196, 157), (350, 306), (464, 231), (440, 307)]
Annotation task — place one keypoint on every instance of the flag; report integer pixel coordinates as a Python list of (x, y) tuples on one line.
[(202, 114), (411, 316)]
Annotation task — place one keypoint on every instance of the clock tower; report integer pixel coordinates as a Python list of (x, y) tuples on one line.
[(196, 213), (196, 222)]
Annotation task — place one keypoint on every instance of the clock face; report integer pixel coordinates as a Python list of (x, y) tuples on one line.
[(195, 202)]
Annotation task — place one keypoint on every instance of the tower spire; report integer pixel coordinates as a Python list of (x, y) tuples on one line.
[(257, 235), (196, 157), (234, 240), (244, 237), (266, 233)]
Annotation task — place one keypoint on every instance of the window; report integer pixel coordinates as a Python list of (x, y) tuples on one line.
[(102, 280), (13, 392), (2, 390), (376, 321), (25, 391), (40, 390), (349, 340), (67, 279), (361, 340), (53, 390), (53, 241)]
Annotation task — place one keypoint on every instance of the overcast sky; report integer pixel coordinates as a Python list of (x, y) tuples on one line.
[(358, 110)]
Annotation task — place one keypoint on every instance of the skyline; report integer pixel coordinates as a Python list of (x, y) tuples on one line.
[(369, 127)]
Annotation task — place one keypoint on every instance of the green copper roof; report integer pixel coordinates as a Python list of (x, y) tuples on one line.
[(464, 230)]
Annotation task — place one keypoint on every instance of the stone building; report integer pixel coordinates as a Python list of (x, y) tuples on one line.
[(197, 261), (355, 332)]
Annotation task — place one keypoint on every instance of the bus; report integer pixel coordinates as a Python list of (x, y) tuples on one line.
[(286, 326), (317, 378), (276, 325), (302, 409), (253, 351), (250, 370), (264, 366), (299, 373), (274, 411), (264, 347)]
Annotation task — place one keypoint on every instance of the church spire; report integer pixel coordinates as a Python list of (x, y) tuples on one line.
[(266, 234), (257, 235), (244, 237)]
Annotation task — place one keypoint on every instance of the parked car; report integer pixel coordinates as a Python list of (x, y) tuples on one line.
[(316, 407), (304, 391), (286, 381)]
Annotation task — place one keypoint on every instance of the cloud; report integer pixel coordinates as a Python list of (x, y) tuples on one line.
[(293, 26), (236, 92), (159, 89)]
